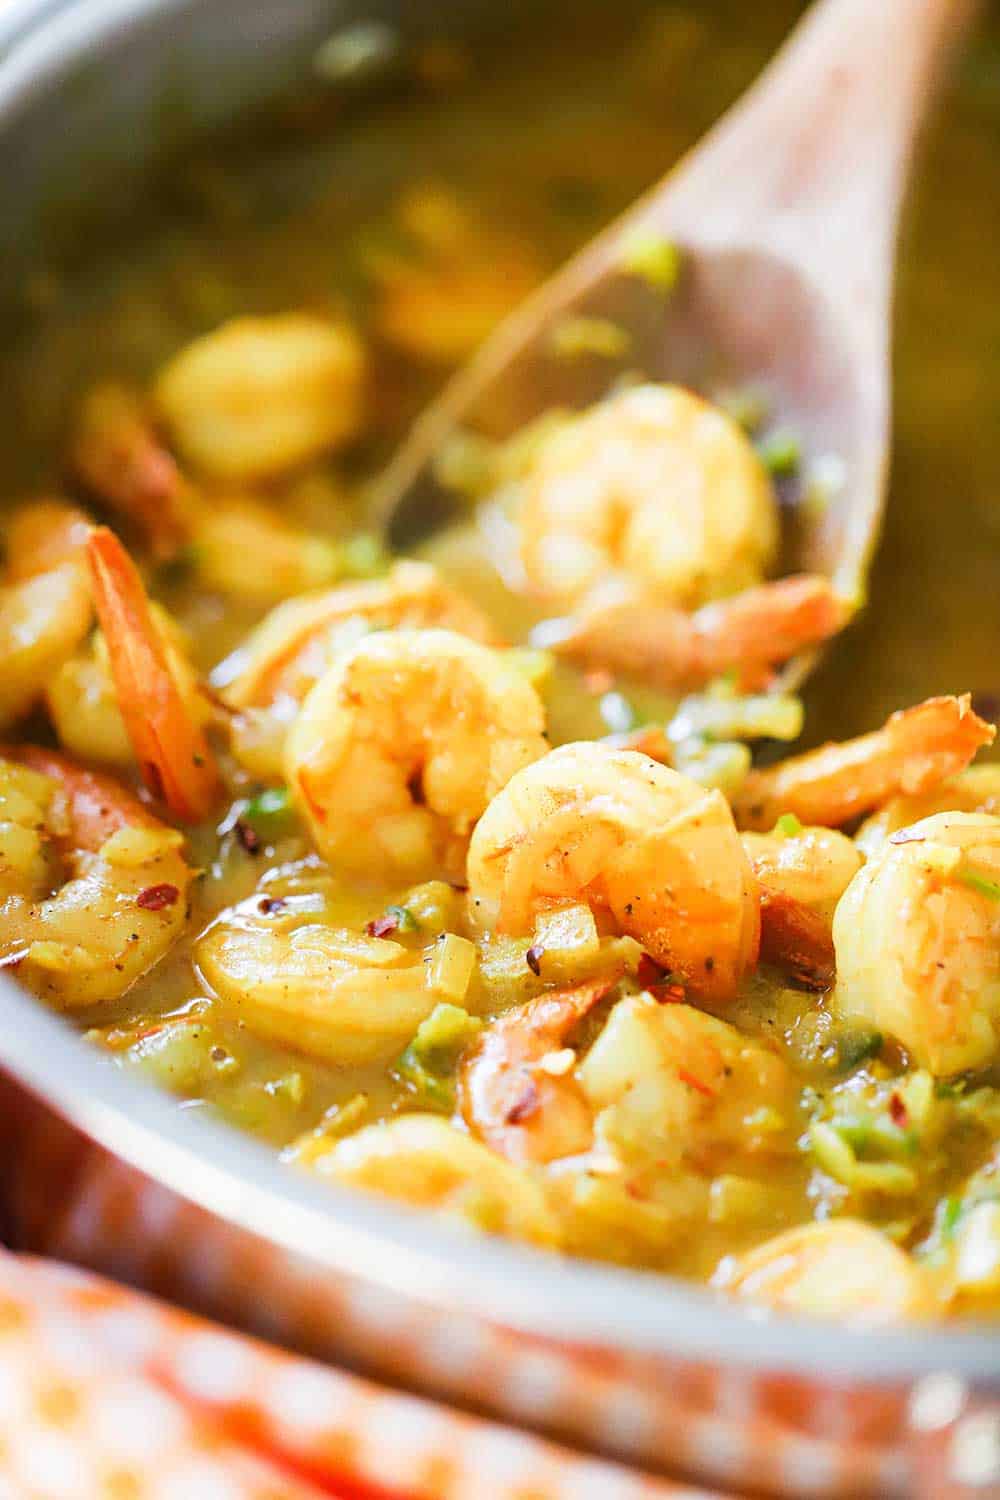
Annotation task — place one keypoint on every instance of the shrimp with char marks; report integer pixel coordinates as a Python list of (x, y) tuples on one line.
[(400, 747), (94, 888), (651, 852)]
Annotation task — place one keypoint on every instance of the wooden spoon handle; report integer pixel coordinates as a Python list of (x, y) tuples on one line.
[(814, 160)]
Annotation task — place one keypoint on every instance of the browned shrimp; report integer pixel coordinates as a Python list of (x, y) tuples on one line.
[(750, 633), (509, 1098), (170, 747), (915, 750)]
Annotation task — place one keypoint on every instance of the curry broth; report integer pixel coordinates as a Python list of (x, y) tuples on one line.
[(542, 144)]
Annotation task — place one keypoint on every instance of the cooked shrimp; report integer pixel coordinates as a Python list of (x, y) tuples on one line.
[(423, 1160), (118, 455), (169, 744), (657, 486), (672, 1086), (45, 601), (521, 1109), (803, 872), (974, 790), (335, 994), (914, 751), (401, 745), (750, 633), (292, 648), (119, 875), (917, 935), (649, 850), (839, 1269), (260, 397)]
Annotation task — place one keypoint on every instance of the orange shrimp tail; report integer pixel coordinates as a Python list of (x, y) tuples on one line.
[(797, 941), (757, 630), (176, 763), (934, 740)]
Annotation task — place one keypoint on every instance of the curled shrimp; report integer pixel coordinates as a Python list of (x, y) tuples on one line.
[(917, 934), (915, 750), (650, 851), (654, 485), (839, 1269), (169, 745), (119, 874), (520, 1108), (749, 634), (45, 601), (403, 742), (326, 991), (802, 872), (296, 643)]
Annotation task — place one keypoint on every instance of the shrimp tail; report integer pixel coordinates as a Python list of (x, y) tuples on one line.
[(176, 763), (796, 940), (750, 634)]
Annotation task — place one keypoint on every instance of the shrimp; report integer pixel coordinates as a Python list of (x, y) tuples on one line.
[(521, 1109), (45, 602), (917, 934), (338, 995), (974, 790), (119, 875), (654, 485), (299, 640), (260, 397), (401, 745), (169, 745), (649, 850), (913, 752), (839, 1269), (803, 872), (119, 457), (750, 633), (425, 1161)]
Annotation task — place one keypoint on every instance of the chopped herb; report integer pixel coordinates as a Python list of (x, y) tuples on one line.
[(618, 713), (788, 826), (268, 814), (781, 453), (653, 257), (433, 1053), (980, 883), (951, 1212), (573, 336), (364, 555), (393, 919), (857, 1048)]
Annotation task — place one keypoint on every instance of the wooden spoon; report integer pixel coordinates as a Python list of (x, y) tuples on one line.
[(785, 218)]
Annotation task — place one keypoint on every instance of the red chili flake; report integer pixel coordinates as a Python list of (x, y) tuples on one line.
[(533, 958), (383, 926), (649, 972), (695, 1083), (898, 1112), (269, 904), (156, 897), (906, 836), (526, 1106), (248, 837)]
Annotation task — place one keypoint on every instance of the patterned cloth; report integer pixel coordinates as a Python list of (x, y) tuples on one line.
[(109, 1395)]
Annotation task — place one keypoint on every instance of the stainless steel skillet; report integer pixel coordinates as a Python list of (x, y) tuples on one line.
[(645, 1366)]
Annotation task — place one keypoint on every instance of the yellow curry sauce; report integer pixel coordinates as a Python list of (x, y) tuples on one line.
[(355, 258)]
